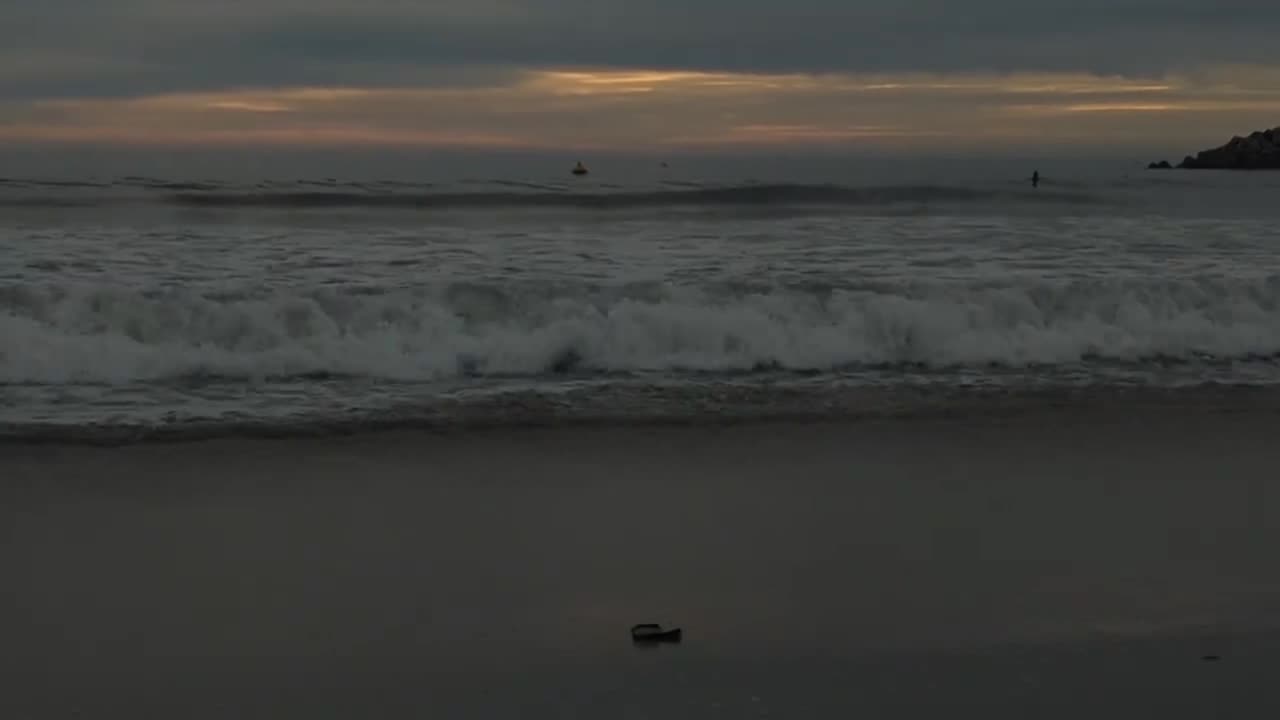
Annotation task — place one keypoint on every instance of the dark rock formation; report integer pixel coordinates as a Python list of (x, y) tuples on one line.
[(1162, 165), (1259, 151)]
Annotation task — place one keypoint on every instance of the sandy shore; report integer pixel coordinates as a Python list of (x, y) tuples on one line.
[(1059, 565)]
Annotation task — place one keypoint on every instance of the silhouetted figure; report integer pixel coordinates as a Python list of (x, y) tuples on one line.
[(579, 169), (1035, 179)]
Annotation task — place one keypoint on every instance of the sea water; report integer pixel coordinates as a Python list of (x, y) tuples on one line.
[(145, 305)]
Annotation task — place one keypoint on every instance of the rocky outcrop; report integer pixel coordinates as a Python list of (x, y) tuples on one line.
[(1258, 151), (1162, 165)]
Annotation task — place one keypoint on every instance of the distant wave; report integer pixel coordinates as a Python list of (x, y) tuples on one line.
[(510, 194), (112, 335), (750, 195)]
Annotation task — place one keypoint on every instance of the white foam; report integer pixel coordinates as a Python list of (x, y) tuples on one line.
[(113, 335)]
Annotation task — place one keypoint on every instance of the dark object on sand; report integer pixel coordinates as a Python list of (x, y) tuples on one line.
[(1259, 151), (650, 633)]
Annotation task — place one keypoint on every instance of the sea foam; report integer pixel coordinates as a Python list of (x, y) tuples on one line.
[(88, 334)]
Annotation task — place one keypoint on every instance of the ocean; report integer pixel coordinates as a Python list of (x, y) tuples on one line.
[(140, 307), (885, 441)]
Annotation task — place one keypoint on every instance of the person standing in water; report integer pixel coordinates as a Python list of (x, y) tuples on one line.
[(1035, 179)]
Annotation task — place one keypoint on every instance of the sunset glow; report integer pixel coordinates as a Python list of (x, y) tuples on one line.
[(612, 108)]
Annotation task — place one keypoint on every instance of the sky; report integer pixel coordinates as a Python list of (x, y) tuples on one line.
[(658, 76)]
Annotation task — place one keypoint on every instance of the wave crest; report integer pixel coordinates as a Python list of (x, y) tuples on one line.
[(76, 334)]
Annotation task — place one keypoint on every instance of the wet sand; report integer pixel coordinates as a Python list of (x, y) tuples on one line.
[(1060, 564)]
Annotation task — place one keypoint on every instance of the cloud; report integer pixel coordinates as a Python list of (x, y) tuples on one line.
[(660, 73), (658, 109), (120, 47)]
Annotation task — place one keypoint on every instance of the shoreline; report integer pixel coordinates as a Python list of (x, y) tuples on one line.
[(692, 407)]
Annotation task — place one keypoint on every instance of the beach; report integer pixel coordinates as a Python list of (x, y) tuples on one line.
[(550, 360), (1061, 562), (881, 447)]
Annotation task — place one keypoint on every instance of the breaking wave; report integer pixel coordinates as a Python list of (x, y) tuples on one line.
[(110, 335)]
